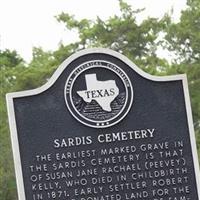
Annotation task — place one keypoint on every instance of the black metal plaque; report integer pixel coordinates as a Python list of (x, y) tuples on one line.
[(102, 129)]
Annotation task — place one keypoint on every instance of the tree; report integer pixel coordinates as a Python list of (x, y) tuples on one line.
[(121, 33), (9, 58), (183, 39), (9, 61)]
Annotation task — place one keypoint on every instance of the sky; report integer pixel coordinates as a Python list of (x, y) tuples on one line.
[(25, 24)]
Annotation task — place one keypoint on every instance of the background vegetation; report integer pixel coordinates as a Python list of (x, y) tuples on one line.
[(140, 42)]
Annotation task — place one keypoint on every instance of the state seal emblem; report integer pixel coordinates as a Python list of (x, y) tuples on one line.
[(98, 93)]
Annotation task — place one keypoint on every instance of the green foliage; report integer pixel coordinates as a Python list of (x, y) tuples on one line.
[(63, 52), (9, 61), (9, 58), (184, 39), (138, 41), (120, 33)]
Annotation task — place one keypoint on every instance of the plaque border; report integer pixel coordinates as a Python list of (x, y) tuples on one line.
[(13, 126)]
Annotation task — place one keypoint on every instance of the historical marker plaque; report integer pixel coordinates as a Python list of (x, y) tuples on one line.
[(102, 129)]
